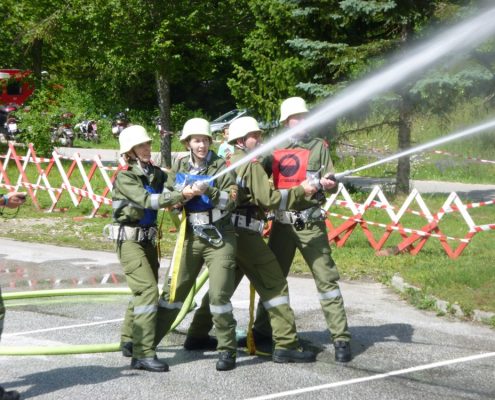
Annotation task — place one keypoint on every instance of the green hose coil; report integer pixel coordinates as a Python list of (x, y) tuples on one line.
[(86, 348)]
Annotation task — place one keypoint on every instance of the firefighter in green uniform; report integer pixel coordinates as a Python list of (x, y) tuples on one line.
[(140, 189), (210, 239), (9, 200), (303, 225), (254, 258)]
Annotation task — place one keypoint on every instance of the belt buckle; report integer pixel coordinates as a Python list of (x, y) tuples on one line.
[(142, 234), (146, 233), (200, 219), (282, 216)]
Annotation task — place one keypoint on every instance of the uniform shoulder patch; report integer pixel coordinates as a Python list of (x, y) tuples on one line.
[(178, 160), (325, 143), (180, 157)]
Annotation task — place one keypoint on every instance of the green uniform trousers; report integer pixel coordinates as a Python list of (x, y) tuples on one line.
[(258, 263), (202, 321), (220, 262), (140, 263), (313, 244)]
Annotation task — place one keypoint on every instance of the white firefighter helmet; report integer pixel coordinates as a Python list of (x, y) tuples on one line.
[(132, 136), (195, 126), (241, 127), (292, 106)]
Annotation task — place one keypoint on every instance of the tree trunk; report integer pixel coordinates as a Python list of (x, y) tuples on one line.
[(163, 93), (404, 165), (405, 113), (36, 56)]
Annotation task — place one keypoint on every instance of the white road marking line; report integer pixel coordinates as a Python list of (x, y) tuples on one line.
[(373, 377), (63, 327)]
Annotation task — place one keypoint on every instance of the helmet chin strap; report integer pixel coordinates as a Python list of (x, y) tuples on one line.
[(241, 145), (144, 165), (196, 160)]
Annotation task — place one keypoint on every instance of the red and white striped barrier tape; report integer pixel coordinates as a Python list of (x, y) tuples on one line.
[(477, 159), (401, 229)]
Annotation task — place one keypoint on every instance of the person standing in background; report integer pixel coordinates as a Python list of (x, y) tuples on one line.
[(225, 150)]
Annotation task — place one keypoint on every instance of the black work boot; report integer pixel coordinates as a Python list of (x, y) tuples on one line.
[(9, 395), (200, 343), (226, 360), (342, 351), (152, 364), (293, 356), (126, 348)]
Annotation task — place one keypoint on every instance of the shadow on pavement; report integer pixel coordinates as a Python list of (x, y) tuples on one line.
[(363, 337), (50, 381)]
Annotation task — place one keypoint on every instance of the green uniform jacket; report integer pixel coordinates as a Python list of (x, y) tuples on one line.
[(256, 189), (224, 192), (130, 197)]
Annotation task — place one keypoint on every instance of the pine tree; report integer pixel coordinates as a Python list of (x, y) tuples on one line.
[(315, 48)]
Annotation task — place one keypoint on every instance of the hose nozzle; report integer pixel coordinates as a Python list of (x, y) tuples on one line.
[(340, 175)]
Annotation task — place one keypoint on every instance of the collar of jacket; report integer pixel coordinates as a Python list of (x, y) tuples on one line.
[(138, 170), (192, 167), (300, 142)]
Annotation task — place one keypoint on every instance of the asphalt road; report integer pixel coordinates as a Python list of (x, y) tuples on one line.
[(399, 352)]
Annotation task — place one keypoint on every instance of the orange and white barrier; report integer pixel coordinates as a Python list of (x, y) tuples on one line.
[(413, 240), (49, 170)]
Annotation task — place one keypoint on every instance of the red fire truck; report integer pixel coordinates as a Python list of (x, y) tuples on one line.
[(15, 86)]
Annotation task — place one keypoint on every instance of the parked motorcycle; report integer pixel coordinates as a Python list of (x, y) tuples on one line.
[(6, 115), (11, 127), (88, 130), (62, 133), (119, 123)]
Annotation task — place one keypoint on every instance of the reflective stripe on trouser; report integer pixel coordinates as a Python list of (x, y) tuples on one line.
[(313, 244), (140, 263), (202, 321), (220, 262), (2, 313)]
